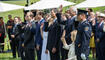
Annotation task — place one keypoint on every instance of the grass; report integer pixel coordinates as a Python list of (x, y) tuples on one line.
[(8, 56)]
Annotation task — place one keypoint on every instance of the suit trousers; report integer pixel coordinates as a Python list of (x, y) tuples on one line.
[(64, 54), (39, 53), (14, 47), (29, 54), (102, 53), (55, 56)]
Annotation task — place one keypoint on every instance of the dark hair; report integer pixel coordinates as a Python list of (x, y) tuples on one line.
[(41, 13), (26, 5), (1, 18), (90, 10), (32, 15), (9, 15), (32, 3), (18, 18)]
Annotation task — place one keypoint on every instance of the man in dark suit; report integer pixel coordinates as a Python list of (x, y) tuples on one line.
[(53, 43), (99, 37), (103, 42), (29, 33), (38, 37), (15, 37)]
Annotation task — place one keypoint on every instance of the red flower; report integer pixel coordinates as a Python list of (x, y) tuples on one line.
[(5, 36), (0, 34)]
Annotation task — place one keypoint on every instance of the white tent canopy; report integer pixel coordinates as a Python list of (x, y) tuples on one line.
[(91, 4), (47, 4), (8, 7)]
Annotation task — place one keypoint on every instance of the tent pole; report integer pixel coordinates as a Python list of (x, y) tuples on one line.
[(28, 2)]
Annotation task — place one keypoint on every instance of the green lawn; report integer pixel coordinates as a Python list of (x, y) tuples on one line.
[(8, 56)]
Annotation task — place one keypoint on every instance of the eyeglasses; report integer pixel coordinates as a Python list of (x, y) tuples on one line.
[(27, 16)]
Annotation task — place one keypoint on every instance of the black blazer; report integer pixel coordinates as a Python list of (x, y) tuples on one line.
[(54, 35), (29, 36)]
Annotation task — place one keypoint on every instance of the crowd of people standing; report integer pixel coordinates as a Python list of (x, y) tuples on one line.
[(71, 35)]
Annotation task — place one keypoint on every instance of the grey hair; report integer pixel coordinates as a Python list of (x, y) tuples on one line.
[(74, 9)]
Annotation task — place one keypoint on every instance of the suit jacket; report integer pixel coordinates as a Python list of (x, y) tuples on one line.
[(16, 31), (54, 35), (29, 33), (38, 37), (99, 31), (99, 34)]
